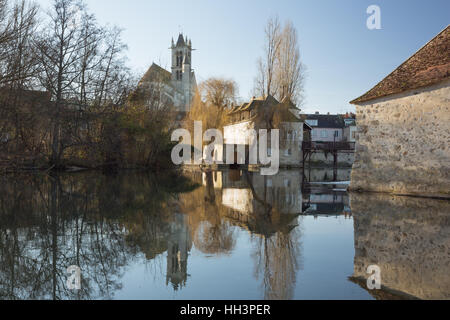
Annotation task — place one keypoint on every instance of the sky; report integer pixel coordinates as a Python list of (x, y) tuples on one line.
[(344, 59)]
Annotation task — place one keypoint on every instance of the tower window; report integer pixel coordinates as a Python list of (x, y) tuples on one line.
[(179, 58)]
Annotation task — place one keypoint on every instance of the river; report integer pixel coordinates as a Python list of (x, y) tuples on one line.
[(217, 235)]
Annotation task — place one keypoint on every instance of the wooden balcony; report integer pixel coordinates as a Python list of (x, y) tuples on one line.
[(328, 146)]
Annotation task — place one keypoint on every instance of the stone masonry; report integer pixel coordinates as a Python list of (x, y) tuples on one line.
[(403, 143)]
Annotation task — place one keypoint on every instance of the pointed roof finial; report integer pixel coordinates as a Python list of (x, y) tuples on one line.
[(180, 42)]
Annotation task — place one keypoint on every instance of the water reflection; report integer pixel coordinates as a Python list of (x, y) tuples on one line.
[(95, 222), (112, 225), (409, 239)]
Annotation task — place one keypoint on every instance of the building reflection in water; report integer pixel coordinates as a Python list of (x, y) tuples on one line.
[(179, 244), (409, 239), (268, 207), (104, 224)]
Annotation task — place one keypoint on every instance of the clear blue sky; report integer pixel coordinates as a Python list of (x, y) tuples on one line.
[(344, 59)]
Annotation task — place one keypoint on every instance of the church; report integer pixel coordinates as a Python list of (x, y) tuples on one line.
[(178, 86)]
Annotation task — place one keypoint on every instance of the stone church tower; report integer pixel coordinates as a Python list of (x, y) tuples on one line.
[(178, 85), (183, 77)]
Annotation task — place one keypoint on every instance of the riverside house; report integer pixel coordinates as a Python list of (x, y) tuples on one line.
[(268, 113)]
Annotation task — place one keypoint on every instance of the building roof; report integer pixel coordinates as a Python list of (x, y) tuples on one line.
[(429, 65), (180, 41), (285, 114), (156, 73), (327, 120), (268, 105), (25, 95)]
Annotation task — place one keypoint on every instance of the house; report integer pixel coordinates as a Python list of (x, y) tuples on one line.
[(404, 127), (326, 127), (350, 129), (268, 113), (178, 86)]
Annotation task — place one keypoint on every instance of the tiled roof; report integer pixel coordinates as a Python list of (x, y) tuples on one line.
[(429, 65), (285, 114), (327, 120), (238, 108), (269, 105)]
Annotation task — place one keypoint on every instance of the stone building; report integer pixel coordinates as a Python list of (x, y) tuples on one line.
[(268, 113), (178, 86), (404, 127)]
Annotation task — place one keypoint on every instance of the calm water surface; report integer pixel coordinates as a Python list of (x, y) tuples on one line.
[(217, 235)]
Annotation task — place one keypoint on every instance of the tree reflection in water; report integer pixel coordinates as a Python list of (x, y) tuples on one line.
[(105, 223), (267, 210), (96, 222)]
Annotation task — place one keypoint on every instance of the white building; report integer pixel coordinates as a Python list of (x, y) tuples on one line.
[(256, 115), (326, 127)]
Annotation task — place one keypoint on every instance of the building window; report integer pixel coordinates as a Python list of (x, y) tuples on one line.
[(313, 123), (324, 134), (336, 134), (269, 152), (353, 134), (288, 152), (179, 58)]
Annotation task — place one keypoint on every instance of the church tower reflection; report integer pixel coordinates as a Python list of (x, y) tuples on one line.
[(178, 246)]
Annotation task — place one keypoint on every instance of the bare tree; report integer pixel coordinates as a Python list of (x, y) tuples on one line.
[(90, 113), (265, 83), (19, 127), (290, 70), (280, 71), (59, 53), (17, 27)]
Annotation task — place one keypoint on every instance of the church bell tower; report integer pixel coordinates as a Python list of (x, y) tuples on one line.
[(181, 59), (183, 78)]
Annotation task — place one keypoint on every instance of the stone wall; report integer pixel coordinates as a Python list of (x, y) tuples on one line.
[(403, 143)]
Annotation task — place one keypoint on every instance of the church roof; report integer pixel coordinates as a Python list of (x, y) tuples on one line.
[(429, 65), (154, 73)]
